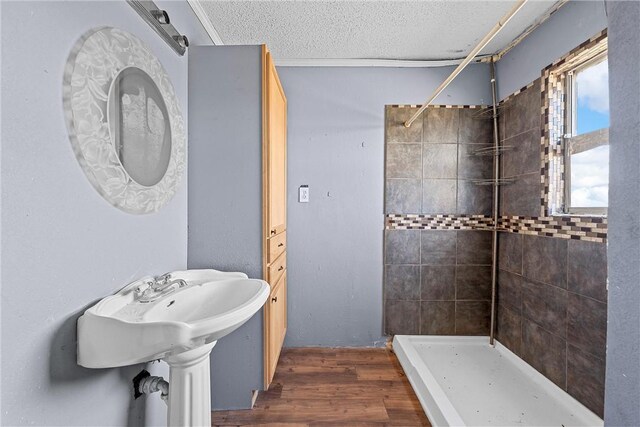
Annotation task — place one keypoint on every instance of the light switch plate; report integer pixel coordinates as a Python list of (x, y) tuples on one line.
[(303, 194)]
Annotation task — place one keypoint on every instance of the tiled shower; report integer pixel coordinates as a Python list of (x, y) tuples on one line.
[(438, 281), (551, 289)]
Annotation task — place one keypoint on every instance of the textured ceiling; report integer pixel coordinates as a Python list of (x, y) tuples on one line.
[(404, 30)]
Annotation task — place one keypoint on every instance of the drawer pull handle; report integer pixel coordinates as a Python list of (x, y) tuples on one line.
[(281, 268), (273, 231), (274, 299), (281, 245)]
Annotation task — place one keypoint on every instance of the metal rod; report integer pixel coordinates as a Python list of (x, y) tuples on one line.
[(485, 40), (492, 181), (487, 113), (491, 151), (496, 205)]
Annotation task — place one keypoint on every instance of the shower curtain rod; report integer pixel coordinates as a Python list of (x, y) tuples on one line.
[(485, 40)]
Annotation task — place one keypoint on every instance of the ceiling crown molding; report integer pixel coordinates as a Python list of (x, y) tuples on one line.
[(197, 8), (345, 62)]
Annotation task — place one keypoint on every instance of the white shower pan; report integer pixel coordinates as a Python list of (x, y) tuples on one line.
[(463, 381)]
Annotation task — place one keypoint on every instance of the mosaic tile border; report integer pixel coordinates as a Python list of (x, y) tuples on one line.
[(551, 147), (593, 229), (437, 222), (434, 106)]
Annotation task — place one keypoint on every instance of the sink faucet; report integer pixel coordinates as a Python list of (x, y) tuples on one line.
[(158, 287), (165, 281)]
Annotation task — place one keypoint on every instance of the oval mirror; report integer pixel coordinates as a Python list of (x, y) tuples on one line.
[(139, 126), (124, 120)]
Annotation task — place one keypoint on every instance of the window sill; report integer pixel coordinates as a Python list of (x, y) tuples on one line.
[(577, 215)]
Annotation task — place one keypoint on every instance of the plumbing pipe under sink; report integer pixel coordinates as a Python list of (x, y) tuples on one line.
[(177, 318)]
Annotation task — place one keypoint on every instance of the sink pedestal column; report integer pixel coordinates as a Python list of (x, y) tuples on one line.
[(189, 388)]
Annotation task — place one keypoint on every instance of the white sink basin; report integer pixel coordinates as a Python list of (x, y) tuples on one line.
[(120, 330), (178, 319)]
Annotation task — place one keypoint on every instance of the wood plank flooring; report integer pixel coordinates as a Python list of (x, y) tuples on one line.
[(333, 387)]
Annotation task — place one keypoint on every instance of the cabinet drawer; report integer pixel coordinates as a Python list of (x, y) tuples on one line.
[(277, 245), (276, 268), (275, 230)]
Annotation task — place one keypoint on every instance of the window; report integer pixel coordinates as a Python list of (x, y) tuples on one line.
[(586, 138)]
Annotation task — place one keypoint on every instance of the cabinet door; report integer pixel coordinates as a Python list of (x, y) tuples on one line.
[(276, 326), (275, 120), (274, 154)]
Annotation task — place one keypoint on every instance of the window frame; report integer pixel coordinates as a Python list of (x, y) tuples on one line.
[(575, 144)]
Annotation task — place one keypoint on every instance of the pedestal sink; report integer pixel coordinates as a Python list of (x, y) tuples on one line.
[(177, 318)]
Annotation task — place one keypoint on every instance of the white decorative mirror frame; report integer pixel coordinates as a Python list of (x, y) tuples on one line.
[(96, 59)]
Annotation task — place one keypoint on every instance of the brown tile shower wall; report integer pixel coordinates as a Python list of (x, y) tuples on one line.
[(430, 166), (552, 308), (519, 124), (437, 281)]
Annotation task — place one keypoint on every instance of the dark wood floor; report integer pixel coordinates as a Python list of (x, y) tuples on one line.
[(333, 387)]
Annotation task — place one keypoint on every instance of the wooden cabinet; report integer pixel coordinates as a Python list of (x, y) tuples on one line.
[(276, 245), (276, 269), (274, 174), (237, 200), (275, 326), (274, 148)]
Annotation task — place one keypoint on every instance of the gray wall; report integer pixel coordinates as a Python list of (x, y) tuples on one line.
[(572, 24), (623, 343), (336, 146), (225, 198), (63, 246)]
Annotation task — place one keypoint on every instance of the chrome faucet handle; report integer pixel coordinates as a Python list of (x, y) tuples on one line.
[(164, 278), (161, 281), (152, 289), (144, 288)]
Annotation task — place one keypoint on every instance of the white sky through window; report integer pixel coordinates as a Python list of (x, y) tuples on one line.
[(590, 169)]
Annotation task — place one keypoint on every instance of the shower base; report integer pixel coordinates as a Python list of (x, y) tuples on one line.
[(463, 381)]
